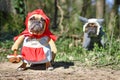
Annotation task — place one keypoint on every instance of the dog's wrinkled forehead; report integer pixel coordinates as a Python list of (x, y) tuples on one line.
[(35, 17), (91, 25)]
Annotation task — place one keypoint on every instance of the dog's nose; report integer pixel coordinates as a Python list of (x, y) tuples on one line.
[(91, 33)]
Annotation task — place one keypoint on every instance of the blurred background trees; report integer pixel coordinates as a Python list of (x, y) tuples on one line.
[(63, 14)]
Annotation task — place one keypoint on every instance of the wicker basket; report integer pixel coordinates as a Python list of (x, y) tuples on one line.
[(14, 58)]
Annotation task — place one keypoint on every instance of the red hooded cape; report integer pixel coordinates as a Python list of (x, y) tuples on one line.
[(45, 33)]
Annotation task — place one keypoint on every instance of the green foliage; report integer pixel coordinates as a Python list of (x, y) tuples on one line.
[(11, 25), (108, 56), (5, 49), (19, 7)]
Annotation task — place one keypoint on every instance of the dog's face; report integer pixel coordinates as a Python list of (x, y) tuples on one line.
[(91, 26), (36, 24), (91, 29)]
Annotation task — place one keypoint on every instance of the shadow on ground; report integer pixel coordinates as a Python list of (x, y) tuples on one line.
[(63, 64)]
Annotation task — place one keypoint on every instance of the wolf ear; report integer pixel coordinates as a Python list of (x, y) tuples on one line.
[(83, 19), (100, 21)]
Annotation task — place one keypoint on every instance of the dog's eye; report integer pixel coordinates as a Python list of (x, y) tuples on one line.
[(42, 19), (32, 18), (92, 25)]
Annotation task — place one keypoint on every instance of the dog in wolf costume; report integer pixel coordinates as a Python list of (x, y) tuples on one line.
[(93, 33), (37, 41)]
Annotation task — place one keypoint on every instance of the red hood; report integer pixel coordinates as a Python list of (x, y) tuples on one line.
[(47, 21)]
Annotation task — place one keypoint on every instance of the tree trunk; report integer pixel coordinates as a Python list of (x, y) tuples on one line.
[(55, 14), (100, 6), (6, 6), (113, 25), (84, 8)]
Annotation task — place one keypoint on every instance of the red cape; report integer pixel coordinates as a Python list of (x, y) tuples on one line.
[(45, 33)]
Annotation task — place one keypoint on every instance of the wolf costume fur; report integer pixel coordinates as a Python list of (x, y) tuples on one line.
[(93, 33)]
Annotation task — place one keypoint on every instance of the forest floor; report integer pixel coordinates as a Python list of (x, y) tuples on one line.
[(62, 71)]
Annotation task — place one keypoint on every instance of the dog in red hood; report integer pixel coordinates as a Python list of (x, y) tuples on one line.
[(37, 13), (37, 40)]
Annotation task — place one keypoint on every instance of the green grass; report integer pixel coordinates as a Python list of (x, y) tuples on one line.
[(109, 56), (99, 57), (5, 49)]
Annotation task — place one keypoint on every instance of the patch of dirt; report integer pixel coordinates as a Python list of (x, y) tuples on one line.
[(62, 71)]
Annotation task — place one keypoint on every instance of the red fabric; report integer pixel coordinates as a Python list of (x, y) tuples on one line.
[(33, 54), (46, 32)]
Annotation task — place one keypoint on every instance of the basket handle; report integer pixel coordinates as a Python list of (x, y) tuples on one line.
[(15, 52)]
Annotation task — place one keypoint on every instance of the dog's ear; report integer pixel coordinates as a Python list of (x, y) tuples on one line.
[(83, 19), (100, 21)]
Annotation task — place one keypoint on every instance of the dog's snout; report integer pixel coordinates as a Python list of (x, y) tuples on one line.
[(91, 32)]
